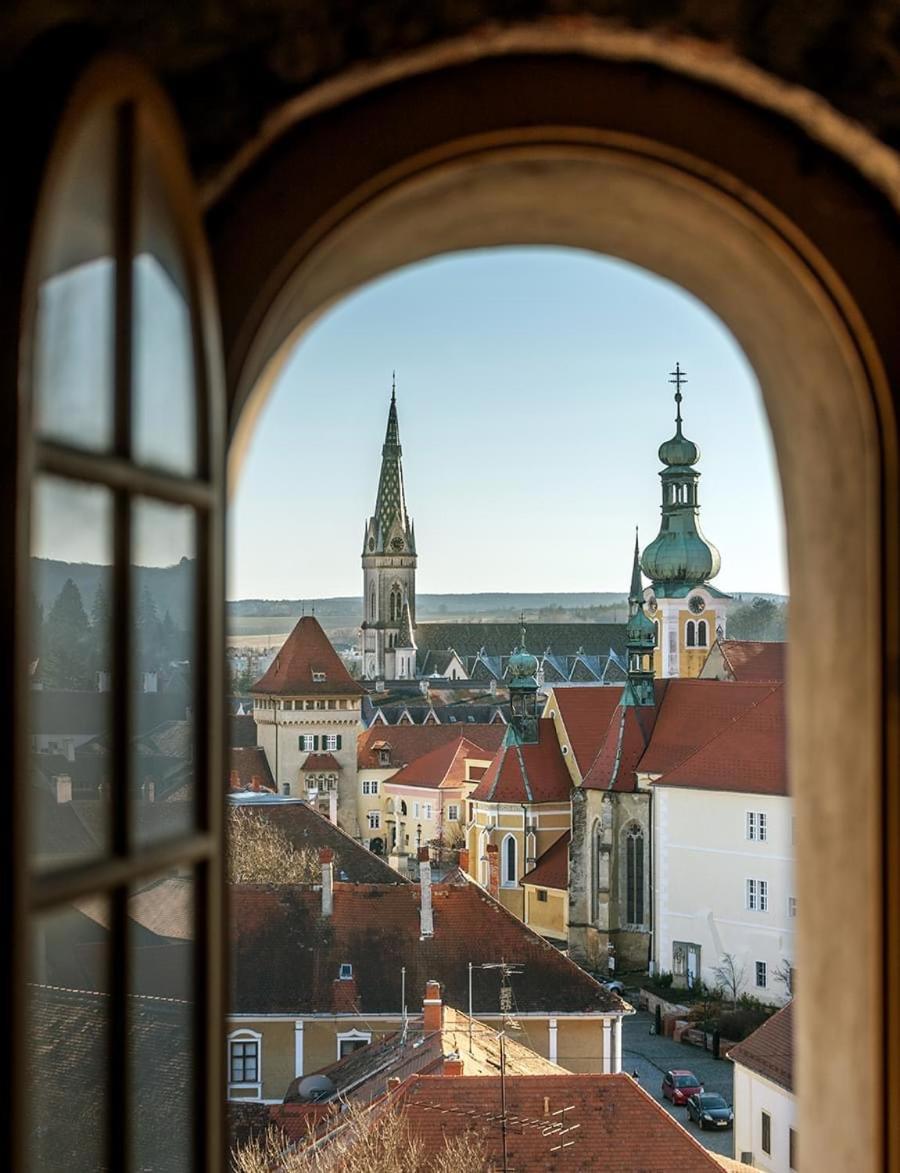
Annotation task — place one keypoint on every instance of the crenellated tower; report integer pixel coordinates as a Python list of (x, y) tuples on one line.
[(389, 569)]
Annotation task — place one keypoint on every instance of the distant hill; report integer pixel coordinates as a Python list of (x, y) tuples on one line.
[(169, 586)]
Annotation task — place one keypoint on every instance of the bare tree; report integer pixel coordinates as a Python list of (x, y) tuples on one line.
[(377, 1139), (730, 977), (784, 974), (261, 853)]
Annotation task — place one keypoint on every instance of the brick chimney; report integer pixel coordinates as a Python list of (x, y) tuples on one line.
[(453, 1065), (326, 859), (234, 780), (256, 784), (426, 915), (464, 860), (432, 1007), (63, 783), (344, 996), (493, 855)]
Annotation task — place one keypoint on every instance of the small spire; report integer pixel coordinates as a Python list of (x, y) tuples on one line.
[(522, 630), (677, 378), (636, 594), (393, 386)]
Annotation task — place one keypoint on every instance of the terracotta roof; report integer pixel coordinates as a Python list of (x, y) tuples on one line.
[(444, 766), (552, 869), (304, 655), (586, 714), (320, 761), (750, 660), (363, 1074), (247, 763), (622, 748), (769, 1051), (304, 827), (527, 773), (718, 735), (405, 743), (620, 1128), (286, 956)]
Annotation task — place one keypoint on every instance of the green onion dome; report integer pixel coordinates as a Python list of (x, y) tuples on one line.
[(679, 450), (680, 555)]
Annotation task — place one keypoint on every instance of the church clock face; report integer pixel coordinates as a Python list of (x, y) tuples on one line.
[(696, 604), (397, 544)]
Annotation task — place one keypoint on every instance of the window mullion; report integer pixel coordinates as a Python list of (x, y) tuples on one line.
[(120, 789)]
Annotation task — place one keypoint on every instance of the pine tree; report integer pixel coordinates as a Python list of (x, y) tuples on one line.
[(150, 654), (67, 642), (101, 630)]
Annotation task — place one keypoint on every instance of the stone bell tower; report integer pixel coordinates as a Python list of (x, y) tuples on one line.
[(389, 569)]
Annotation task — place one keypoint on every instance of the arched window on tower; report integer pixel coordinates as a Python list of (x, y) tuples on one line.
[(702, 637), (634, 875), (509, 860), (372, 603), (690, 634), (396, 604)]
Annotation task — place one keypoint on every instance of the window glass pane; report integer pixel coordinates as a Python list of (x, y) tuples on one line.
[(161, 1017), (74, 326), (70, 671), (68, 1034), (164, 547), (165, 424)]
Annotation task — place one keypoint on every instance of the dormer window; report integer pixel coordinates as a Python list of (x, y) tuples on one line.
[(318, 677), (346, 971), (384, 757)]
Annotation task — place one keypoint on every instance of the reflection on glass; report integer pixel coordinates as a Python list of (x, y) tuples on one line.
[(73, 341), (163, 590), (165, 423), (160, 1027), (70, 671), (68, 1033)]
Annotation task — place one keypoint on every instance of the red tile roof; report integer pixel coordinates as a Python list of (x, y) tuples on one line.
[(527, 773), (408, 742), (444, 766), (552, 869), (622, 748), (718, 735), (321, 761), (769, 1051), (586, 715), (287, 956), (616, 1126), (750, 660), (307, 650), (249, 763)]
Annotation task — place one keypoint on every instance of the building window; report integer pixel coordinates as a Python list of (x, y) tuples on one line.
[(244, 1059), (792, 1149), (351, 1041), (634, 876), (701, 634), (509, 861), (757, 827), (384, 757), (792, 906), (286, 788), (541, 894), (415, 810), (766, 1139), (374, 820), (761, 974), (453, 812), (690, 634), (427, 810), (596, 840), (332, 741), (370, 786), (758, 895), (308, 742)]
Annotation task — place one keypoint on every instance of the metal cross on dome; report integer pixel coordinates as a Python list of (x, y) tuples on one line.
[(677, 377)]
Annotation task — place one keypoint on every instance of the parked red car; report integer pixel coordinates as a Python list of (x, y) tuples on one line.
[(679, 1086)]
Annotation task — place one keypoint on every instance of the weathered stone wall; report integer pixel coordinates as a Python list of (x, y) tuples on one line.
[(231, 63)]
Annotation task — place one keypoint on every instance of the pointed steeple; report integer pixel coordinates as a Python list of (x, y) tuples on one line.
[(636, 593), (406, 638), (679, 557), (640, 639), (392, 530)]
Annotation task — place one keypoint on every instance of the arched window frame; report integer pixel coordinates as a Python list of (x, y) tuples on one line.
[(634, 845), (690, 634), (702, 633), (245, 1035), (509, 856)]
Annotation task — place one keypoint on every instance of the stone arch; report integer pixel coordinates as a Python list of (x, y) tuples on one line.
[(719, 187)]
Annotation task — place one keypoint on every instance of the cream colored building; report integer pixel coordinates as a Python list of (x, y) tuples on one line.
[(765, 1110)]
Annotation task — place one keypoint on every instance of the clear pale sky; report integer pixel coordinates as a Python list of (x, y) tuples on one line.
[(532, 388)]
